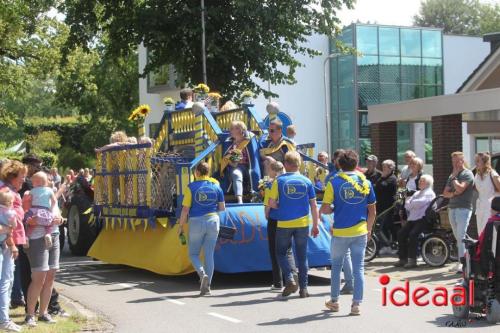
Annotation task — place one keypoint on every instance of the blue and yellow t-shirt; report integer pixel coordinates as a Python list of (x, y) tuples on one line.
[(203, 197), (350, 206), (293, 192), (273, 213)]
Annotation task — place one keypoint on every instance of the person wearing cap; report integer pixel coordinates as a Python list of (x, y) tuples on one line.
[(372, 173)]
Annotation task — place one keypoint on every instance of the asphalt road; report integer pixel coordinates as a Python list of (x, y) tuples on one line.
[(139, 301)]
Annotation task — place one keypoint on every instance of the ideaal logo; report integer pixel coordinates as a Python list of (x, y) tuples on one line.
[(423, 296)]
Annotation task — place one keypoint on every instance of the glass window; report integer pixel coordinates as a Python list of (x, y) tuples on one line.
[(365, 146), (410, 43), (431, 43), (410, 70), (390, 93), (346, 36), (495, 146), (410, 91), (388, 41), (346, 70), (366, 37), (335, 98), (368, 69), (390, 70), (432, 71), (334, 71), (369, 94), (346, 98), (347, 129), (482, 144), (428, 143), (429, 91), (404, 143)]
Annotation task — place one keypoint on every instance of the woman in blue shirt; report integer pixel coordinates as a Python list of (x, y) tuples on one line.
[(202, 201)]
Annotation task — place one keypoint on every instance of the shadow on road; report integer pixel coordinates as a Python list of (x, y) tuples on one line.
[(304, 319)]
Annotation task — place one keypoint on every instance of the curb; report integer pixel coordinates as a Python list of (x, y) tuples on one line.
[(98, 322)]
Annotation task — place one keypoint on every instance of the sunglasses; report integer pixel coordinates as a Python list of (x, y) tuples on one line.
[(271, 130)]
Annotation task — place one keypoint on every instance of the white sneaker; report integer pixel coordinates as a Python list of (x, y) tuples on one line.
[(10, 326)]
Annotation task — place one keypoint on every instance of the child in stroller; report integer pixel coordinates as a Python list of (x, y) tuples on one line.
[(482, 266)]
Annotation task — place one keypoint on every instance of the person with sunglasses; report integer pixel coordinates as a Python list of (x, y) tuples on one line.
[(275, 146)]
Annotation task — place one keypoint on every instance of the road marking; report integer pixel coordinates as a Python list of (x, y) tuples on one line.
[(126, 285), (95, 276), (174, 301), (233, 320)]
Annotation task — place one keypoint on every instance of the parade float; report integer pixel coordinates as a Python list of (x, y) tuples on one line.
[(138, 190)]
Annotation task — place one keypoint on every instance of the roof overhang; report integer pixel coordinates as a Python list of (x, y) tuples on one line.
[(423, 109)]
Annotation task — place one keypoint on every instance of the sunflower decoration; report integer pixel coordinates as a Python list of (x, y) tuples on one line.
[(201, 88), (247, 97), (247, 94), (168, 101), (140, 113)]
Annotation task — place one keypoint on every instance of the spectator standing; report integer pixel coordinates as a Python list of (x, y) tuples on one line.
[(459, 189), (372, 173), (353, 200), (487, 184), (294, 198), (385, 191), (405, 172), (12, 175)]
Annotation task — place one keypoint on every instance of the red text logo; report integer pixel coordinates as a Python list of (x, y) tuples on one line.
[(423, 296)]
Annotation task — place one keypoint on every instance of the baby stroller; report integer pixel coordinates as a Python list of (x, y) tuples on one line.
[(482, 267)]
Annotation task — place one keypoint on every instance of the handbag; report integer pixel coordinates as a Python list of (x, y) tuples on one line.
[(227, 232)]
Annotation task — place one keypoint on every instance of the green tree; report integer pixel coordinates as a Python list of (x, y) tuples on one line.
[(244, 38), (461, 17)]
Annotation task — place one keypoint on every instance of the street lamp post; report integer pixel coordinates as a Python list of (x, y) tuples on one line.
[(203, 52), (327, 108)]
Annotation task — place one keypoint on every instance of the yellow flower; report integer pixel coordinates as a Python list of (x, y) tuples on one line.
[(364, 189), (168, 101), (214, 95), (247, 93), (141, 111), (202, 88)]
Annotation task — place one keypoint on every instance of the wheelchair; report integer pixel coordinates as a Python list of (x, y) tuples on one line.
[(484, 274)]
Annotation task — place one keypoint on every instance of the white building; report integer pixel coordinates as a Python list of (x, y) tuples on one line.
[(304, 102)]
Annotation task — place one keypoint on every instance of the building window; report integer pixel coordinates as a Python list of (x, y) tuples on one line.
[(368, 69), (366, 39), (431, 44), (482, 145), (410, 43), (164, 78), (410, 70), (404, 141), (388, 41), (428, 143), (390, 70), (432, 71)]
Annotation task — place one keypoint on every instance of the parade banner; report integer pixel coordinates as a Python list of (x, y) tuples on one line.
[(249, 250)]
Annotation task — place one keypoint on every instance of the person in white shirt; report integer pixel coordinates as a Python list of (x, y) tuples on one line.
[(405, 172), (487, 184)]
